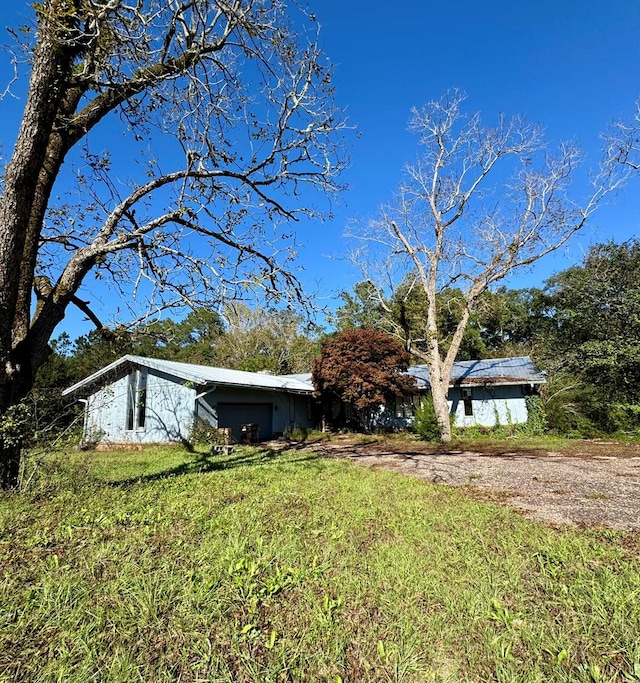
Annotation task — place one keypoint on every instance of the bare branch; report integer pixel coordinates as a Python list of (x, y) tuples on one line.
[(478, 203)]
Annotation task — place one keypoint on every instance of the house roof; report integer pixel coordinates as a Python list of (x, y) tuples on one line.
[(201, 375), (494, 371)]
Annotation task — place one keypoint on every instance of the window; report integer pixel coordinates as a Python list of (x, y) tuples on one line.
[(404, 407), (137, 399), (467, 399)]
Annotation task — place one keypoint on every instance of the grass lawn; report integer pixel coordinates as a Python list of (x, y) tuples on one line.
[(161, 565)]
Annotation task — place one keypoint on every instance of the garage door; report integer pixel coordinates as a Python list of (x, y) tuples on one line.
[(235, 414)]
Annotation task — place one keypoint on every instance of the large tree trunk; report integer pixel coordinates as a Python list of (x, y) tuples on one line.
[(439, 391), (17, 383), (28, 179)]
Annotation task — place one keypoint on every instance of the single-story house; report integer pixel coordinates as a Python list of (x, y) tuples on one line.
[(482, 392), (137, 399)]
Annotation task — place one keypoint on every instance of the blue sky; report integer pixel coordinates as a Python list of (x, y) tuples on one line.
[(571, 66)]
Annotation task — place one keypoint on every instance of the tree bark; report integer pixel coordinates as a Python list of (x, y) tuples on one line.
[(439, 391)]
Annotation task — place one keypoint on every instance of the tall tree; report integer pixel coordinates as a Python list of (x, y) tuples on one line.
[(594, 335), (259, 340), (360, 309), (479, 203), (219, 113)]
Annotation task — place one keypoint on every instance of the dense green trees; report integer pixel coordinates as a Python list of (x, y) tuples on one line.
[(244, 339), (592, 339), (505, 321)]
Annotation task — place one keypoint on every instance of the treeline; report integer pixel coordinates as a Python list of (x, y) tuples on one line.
[(582, 327)]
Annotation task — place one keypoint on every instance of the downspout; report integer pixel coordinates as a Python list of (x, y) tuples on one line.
[(202, 394)]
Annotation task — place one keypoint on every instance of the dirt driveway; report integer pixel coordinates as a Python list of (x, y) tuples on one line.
[(592, 484)]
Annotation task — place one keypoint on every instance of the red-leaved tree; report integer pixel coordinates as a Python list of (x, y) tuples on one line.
[(364, 369)]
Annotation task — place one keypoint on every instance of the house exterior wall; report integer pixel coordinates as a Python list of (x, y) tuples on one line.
[(168, 413), (501, 404), (289, 410), (490, 406)]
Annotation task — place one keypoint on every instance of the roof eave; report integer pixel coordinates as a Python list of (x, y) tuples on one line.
[(91, 379), (495, 382)]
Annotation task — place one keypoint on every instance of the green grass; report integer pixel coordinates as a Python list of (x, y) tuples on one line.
[(161, 565)]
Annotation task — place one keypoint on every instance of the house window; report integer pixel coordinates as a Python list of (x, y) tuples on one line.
[(137, 399), (404, 407), (467, 400)]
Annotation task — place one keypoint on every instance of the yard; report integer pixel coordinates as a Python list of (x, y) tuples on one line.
[(286, 565)]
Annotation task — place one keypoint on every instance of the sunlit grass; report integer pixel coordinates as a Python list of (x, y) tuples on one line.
[(162, 565)]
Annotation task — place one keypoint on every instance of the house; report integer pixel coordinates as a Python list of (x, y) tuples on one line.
[(483, 392), (145, 400)]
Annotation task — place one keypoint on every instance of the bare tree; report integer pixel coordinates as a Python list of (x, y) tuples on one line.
[(623, 141), (479, 203), (219, 113)]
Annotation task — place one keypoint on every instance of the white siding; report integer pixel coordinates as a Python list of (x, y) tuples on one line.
[(500, 404), (169, 411)]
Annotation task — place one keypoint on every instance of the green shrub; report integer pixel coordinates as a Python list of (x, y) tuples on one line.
[(203, 433), (425, 423), (623, 417), (296, 434), (536, 424)]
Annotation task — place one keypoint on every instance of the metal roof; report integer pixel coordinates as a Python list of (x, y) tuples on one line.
[(202, 375), (519, 370), (496, 371), (302, 376)]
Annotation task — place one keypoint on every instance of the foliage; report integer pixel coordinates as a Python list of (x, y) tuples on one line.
[(359, 309), (162, 565), (536, 423), (592, 339), (425, 422), (363, 369), (257, 339), (15, 425), (204, 434), (505, 322), (191, 339), (305, 435)]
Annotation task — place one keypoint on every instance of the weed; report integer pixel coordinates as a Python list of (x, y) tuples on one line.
[(161, 565)]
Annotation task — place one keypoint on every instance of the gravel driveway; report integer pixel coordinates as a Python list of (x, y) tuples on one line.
[(600, 487)]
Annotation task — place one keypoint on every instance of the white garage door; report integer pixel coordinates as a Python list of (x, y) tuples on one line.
[(235, 414)]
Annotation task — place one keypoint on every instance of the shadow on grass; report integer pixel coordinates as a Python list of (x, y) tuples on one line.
[(380, 447), (203, 463)]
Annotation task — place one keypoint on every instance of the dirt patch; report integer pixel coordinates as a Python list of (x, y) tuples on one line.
[(594, 484)]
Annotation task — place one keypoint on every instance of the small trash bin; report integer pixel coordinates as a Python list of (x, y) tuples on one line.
[(249, 433)]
